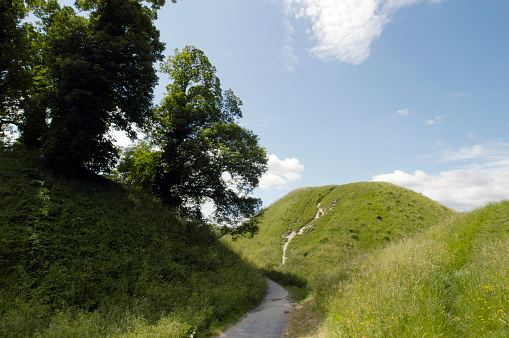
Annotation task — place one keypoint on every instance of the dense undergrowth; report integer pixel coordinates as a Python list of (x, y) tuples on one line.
[(90, 258)]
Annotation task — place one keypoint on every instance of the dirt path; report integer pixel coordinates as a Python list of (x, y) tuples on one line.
[(288, 240), (267, 320), (301, 231)]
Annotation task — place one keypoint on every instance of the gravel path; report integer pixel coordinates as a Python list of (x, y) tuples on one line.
[(268, 319)]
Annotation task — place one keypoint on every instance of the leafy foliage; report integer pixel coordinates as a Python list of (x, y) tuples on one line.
[(15, 55), (93, 258), (68, 82), (199, 152), (102, 74)]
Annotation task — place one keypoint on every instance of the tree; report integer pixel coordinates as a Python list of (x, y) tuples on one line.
[(138, 166), (66, 84), (14, 75), (201, 153), (101, 71)]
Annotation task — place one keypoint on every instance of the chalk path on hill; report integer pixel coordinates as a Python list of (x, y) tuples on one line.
[(268, 319)]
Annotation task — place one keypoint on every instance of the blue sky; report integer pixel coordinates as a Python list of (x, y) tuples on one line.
[(405, 91)]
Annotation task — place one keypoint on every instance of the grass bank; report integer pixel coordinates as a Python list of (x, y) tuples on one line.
[(451, 281), (90, 258)]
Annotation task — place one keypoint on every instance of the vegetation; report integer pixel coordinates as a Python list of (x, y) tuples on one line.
[(80, 71), (198, 152), (399, 265), (451, 281), (15, 54), (81, 255), (90, 258), (354, 219), (71, 77)]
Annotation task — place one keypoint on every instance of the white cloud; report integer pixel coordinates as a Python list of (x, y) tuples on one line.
[(460, 94), (344, 29), (476, 152), (290, 60), (281, 172), (121, 139), (403, 112), (483, 180)]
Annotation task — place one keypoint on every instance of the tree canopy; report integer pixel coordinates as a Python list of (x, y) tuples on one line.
[(103, 75), (15, 78), (67, 81), (199, 153), (82, 70)]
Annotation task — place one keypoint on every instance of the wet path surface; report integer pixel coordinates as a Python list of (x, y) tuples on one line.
[(268, 319)]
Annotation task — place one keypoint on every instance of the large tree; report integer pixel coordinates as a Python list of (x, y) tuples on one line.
[(200, 154), (102, 74), (86, 69), (15, 76)]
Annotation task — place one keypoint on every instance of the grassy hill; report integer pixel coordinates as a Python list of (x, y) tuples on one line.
[(382, 261), (338, 223), (89, 258)]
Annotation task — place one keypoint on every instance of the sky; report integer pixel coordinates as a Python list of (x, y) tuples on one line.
[(411, 92)]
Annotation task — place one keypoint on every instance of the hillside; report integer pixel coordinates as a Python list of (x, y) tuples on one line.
[(382, 261), (450, 281), (90, 258), (336, 223)]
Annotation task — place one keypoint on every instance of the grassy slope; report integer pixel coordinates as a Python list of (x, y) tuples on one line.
[(90, 258), (386, 262), (358, 218), (451, 281)]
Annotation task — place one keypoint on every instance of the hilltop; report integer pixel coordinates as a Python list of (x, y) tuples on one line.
[(89, 257), (330, 225)]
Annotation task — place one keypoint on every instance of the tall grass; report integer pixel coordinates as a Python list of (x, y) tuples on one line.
[(119, 323), (451, 281)]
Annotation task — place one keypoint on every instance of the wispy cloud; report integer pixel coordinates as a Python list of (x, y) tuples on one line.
[(434, 121), (288, 55), (344, 30), (402, 113), (460, 94), (487, 154), (483, 179), (281, 172)]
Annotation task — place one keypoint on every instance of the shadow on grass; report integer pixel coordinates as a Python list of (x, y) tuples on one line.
[(285, 278)]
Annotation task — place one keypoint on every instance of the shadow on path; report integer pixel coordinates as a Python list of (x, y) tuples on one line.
[(268, 319)]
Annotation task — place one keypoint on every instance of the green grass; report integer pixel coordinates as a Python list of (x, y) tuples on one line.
[(90, 258), (358, 218), (452, 281)]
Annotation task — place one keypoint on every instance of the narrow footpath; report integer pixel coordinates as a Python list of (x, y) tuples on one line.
[(267, 320), (301, 231)]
